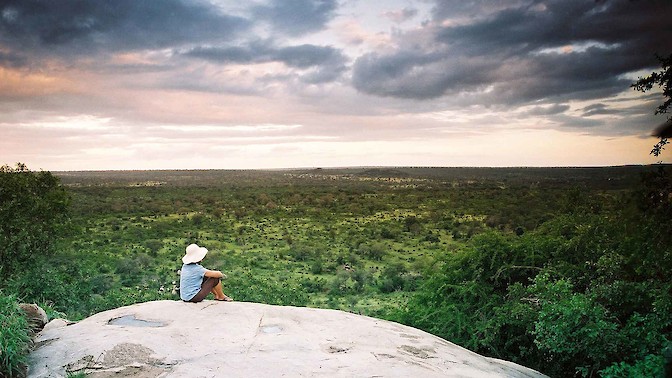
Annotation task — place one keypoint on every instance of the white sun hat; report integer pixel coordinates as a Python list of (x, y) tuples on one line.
[(194, 254)]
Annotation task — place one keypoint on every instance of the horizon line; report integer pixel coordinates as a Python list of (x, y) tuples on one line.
[(366, 167)]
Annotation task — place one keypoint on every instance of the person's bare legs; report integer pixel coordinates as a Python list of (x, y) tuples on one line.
[(218, 291)]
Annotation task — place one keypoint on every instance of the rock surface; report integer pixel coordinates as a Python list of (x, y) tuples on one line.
[(35, 315), (237, 339)]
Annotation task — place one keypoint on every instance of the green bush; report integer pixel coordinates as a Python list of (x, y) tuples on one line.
[(249, 287), (33, 210), (393, 278), (649, 366), (14, 338), (579, 296), (573, 329)]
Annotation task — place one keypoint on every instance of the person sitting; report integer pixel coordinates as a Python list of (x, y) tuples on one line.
[(196, 282)]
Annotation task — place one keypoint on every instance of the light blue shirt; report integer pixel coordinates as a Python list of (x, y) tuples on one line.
[(191, 278)]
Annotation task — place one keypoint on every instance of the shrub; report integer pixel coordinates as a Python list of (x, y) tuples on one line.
[(317, 266), (154, 246), (301, 252), (348, 282), (650, 366), (14, 338), (33, 209), (314, 285), (249, 287), (374, 251), (392, 278), (571, 327)]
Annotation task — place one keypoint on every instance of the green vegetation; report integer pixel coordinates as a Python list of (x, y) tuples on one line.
[(33, 210), (32, 207), (14, 339), (663, 80), (564, 270)]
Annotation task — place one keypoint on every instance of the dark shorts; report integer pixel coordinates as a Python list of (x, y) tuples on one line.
[(206, 287)]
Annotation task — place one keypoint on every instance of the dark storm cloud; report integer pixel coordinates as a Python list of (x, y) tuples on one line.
[(524, 51), (327, 62), (86, 26), (409, 74), (296, 17), (593, 73), (518, 30), (546, 24)]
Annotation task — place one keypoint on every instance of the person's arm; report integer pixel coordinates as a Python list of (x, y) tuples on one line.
[(214, 273)]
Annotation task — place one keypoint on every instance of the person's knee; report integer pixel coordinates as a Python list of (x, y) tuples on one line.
[(210, 283)]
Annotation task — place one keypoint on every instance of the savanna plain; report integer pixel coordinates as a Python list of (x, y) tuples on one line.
[(564, 270)]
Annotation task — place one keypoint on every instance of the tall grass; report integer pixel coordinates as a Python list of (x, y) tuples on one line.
[(14, 337)]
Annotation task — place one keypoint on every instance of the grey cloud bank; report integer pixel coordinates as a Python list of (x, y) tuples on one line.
[(530, 51), (99, 26)]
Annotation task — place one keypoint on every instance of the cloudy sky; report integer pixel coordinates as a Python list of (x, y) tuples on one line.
[(161, 84)]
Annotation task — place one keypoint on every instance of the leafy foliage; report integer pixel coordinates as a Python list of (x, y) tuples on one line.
[(662, 79), (14, 339), (582, 294), (656, 196), (33, 207), (649, 366)]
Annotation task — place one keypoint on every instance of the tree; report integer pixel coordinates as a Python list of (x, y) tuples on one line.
[(658, 185), (662, 79), (33, 208)]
